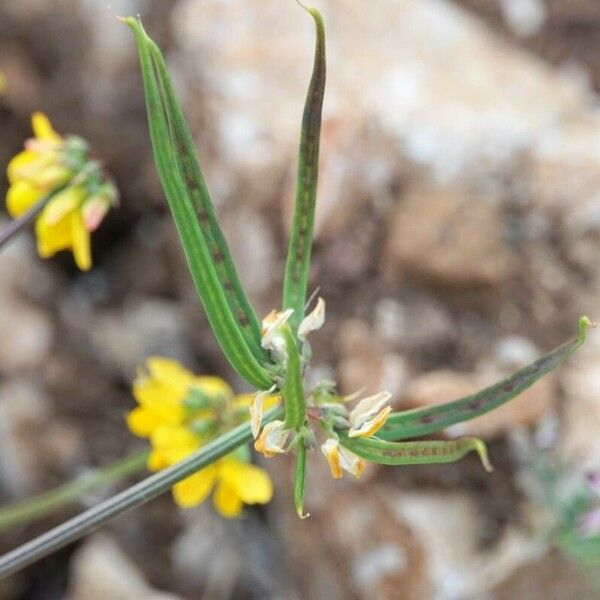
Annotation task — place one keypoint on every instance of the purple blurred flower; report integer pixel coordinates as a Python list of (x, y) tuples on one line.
[(590, 523), (593, 480)]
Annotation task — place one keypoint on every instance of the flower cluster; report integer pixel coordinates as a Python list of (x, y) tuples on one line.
[(364, 420), (78, 194), (324, 405), (180, 412)]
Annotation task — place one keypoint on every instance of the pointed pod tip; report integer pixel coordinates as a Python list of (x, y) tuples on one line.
[(481, 449), (311, 10), (134, 23), (584, 324), (301, 514), (127, 20)]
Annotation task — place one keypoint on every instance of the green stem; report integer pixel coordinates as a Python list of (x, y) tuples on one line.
[(293, 388), (131, 498), (300, 476), (49, 502)]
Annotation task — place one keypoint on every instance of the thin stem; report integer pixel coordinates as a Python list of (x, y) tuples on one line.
[(49, 502), (131, 498), (18, 224)]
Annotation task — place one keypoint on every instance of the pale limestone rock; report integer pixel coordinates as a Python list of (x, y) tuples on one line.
[(421, 322), (26, 336), (144, 327), (103, 67), (26, 331), (524, 17), (205, 552), (363, 548), (447, 237), (364, 364), (101, 570), (220, 554), (390, 320), (448, 526), (21, 271), (253, 249), (552, 576), (24, 410), (381, 539), (32, 439), (417, 91), (451, 94), (514, 352)]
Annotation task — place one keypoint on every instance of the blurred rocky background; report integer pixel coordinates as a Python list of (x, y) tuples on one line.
[(458, 238)]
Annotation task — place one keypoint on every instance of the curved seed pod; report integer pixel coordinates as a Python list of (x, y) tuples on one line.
[(421, 421), (293, 388), (203, 272), (414, 453), (184, 153), (298, 258)]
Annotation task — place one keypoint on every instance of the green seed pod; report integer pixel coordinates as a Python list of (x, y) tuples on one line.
[(300, 476), (414, 453), (299, 251), (417, 422)]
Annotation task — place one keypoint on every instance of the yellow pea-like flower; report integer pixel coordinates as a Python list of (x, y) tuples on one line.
[(60, 226), (78, 195), (179, 412), (234, 483), (36, 170)]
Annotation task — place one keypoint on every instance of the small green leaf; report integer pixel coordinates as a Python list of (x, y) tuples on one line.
[(414, 453), (298, 258), (422, 421), (184, 152), (300, 476), (210, 291), (293, 388), (197, 400)]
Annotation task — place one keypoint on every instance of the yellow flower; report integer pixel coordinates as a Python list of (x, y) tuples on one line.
[(48, 163), (257, 403), (272, 439), (369, 415), (36, 170), (179, 412), (313, 321), (364, 420), (60, 226), (271, 336), (340, 458), (235, 483)]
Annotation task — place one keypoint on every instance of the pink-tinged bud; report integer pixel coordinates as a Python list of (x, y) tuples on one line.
[(94, 211), (43, 146)]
